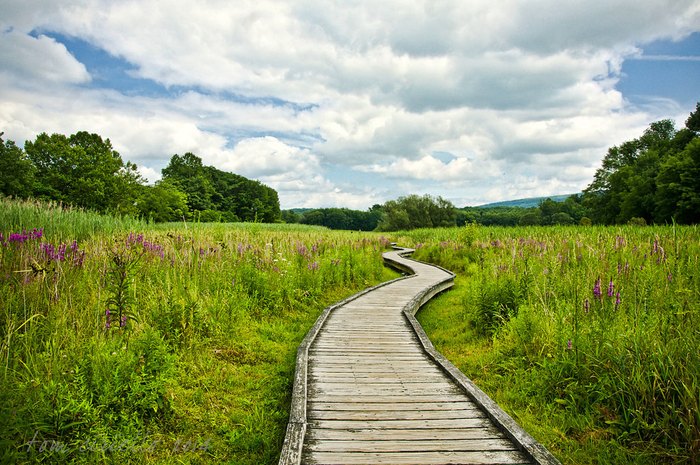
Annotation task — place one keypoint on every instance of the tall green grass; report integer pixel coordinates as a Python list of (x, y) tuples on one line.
[(61, 222), (127, 342), (588, 335)]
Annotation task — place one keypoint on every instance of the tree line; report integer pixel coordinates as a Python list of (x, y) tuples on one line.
[(84, 170)]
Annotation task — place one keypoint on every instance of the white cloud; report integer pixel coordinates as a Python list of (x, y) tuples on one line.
[(40, 60), (515, 90), (267, 156)]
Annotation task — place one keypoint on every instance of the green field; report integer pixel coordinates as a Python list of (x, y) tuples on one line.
[(586, 335), (173, 343), (128, 342)]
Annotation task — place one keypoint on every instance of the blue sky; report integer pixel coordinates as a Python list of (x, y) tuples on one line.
[(665, 69), (357, 103)]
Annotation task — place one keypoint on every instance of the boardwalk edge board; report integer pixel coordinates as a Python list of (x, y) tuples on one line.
[(296, 429)]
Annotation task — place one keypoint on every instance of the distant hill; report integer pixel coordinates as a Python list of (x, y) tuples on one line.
[(526, 203)]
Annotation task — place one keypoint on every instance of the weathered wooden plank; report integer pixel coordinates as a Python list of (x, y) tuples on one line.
[(361, 414), (408, 404), (368, 434), (420, 445), (433, 386), (374, 389), (392, 397), (367, 372), (417, 458), (388, 359), (378, 378), (400, 424)]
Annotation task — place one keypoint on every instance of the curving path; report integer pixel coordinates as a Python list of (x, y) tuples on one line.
[(371, 389)]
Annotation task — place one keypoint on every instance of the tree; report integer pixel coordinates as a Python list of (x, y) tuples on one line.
[(290, 216), (16, 170), (653, 178), (343, 218), (83, 170), (415, 211), (215, 195), (187, 173), (693, 121), (624, 186), (678, 194), (162, 202)]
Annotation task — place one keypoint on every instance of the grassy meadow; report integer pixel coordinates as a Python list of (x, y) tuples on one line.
[(126, 342), (587, 336)]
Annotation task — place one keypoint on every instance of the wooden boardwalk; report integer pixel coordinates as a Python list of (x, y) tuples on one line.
[(371, 389)]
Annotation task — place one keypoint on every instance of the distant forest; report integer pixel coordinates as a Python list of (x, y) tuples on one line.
[(652, 179)]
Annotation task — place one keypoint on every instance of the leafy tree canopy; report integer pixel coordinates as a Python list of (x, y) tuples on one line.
[(414, 211), (655, 177), (84, 170), (16, 170), (215, 195)]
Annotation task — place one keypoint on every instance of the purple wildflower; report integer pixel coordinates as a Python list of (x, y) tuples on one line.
[(669, 277), (313, 266), (569, 345), (618, 300), (18, 238), (107, 319), (611, 288), (78, 259), (586, 305), (61, 254), (122, 322), (619, 242), (596, 289)]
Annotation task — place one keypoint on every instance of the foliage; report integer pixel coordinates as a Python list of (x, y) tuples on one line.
[(215, 195), (569, 210), (16, 171), (654, 177), (197, 368), (82, 170), (162, 202), (414, 211), (586, 335), (343, 218)]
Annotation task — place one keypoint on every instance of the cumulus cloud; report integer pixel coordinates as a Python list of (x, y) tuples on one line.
[(522, 94), (38, 60)]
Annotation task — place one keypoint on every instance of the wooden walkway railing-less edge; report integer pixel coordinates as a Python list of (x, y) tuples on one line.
[(293, 447)]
